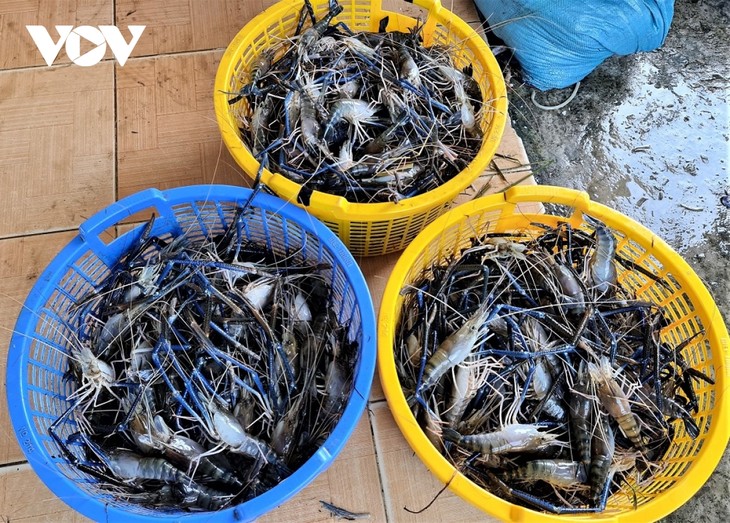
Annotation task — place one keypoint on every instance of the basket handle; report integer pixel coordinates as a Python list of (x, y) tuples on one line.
[(578, 200), (91, 230)]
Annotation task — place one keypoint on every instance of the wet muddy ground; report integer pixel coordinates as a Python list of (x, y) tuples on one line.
[(648, 135)]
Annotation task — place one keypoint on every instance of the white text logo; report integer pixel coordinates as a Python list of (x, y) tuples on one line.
[(101, 36)]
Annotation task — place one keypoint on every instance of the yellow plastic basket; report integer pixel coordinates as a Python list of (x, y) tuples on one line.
[(366, 228), (688, 305)]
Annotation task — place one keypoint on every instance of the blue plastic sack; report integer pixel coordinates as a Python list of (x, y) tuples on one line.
[(558, 42)]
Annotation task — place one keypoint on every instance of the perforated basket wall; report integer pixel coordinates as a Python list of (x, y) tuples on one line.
[(373, 228), (38, 358), (688, 306)]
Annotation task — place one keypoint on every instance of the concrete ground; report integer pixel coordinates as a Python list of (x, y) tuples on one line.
[(648, 135)]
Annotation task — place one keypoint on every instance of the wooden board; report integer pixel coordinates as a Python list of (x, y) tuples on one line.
[(73, 139), (16, 44), (24, 497), (352, 481), (166, 128), (408, 486), (56, 146), (181, 25), (21, 262)]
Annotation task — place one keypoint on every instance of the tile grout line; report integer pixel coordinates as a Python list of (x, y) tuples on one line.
[(21, 235), (131, 58), (177, 53), (142, 57), (115, 111), (105, 60), (381, 472), (14, 466)]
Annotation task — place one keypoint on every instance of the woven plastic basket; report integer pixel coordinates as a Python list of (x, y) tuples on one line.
[(37, 361), (372, 228), (688, 305)]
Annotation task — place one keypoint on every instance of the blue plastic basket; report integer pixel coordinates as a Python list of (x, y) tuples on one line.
[(37, 391)]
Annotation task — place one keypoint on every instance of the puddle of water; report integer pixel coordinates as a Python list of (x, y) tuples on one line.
[(646, 139), (673, 143)]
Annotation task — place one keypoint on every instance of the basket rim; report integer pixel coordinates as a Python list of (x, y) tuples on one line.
[(338, 207), (17, 387), (719, 432)]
